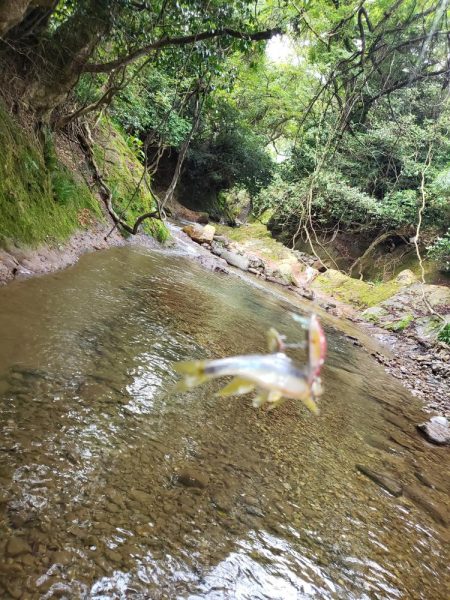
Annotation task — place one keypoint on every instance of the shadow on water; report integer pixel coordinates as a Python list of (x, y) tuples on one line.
[(114, 487)]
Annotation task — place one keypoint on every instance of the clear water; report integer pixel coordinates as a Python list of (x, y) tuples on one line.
[(93, 440)]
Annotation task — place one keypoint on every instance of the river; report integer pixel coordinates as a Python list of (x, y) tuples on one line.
[(112, 486)]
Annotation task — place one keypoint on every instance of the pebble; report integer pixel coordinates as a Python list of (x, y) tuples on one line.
[(17, 546), (191, 478)]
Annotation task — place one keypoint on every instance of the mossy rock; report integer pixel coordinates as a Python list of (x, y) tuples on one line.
[(375, 314), (400, 325), (123, 173), (354, 291)]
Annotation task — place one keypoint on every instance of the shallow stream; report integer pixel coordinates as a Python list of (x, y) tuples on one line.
[(112, 486)]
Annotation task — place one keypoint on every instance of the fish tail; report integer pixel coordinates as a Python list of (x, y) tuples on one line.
[(193, 372)]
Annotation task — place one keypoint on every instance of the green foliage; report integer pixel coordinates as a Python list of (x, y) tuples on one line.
[(225, 154), (39, 202), (440, 251), (400, 325), (444, 334)]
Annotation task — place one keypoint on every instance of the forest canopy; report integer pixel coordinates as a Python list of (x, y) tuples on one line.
[(332, 115)]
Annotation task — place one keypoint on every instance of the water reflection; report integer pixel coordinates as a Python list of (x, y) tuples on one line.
[(95, 445)]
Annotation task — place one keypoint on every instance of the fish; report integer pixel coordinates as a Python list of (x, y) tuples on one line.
[(274, 376)]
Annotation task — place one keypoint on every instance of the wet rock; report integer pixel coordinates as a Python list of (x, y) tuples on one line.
[(61, 557), (436, 431), (17, 546), (277, 280), (112, 555), (222, 502), (200, 234), (305, 293), (141, 497), (384, 481), (255, 263), (236, 260), (192, 478), (422, 500), (217, 248), (254, 510)]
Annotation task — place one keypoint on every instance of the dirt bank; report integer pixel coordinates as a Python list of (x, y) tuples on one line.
[(18, 262)]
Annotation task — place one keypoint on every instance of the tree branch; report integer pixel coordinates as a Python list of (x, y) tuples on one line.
[(178, 41)]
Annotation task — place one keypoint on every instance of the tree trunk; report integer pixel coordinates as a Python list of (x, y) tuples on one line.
[(66, 52), (11, 14)]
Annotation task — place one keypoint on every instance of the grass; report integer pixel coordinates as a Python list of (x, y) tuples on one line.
[(39, 202), (444, 334)]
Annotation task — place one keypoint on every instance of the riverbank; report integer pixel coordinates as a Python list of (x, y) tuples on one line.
[(21, 262)]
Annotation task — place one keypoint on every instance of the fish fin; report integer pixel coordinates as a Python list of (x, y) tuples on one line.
[(276, 404), (261, 398), (275, 341), (274, 399), (236, 387), (310, 404), (193, 372), (189, 382)]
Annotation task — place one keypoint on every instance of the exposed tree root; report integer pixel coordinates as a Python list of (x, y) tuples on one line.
[(86, 142)]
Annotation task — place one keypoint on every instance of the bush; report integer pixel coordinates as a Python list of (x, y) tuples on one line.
[(440, 251)]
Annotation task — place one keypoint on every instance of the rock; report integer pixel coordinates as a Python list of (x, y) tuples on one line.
[(217, 248), (422, 500), (255, 262), (212, 263), (235, 260), (254, 510), (277, 280), (17, 546), (384, 481), (192, 478), (61, 557), (406, 277), (436, 431), (305, 293), (200, 234), (140, 496)]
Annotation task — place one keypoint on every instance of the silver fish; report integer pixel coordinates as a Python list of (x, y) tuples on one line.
[(274, 376)]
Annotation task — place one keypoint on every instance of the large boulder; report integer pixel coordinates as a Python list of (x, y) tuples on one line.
[(201, 235)]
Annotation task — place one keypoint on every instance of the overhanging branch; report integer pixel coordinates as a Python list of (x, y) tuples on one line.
[(178, 41)]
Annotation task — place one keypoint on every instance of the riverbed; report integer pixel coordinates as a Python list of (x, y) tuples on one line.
[(114, 486)]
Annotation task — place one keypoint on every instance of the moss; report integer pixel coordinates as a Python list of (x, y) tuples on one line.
[(257, 238), (400, 325), (354, 291), (266, 216), (122, 172), (39, 202)]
